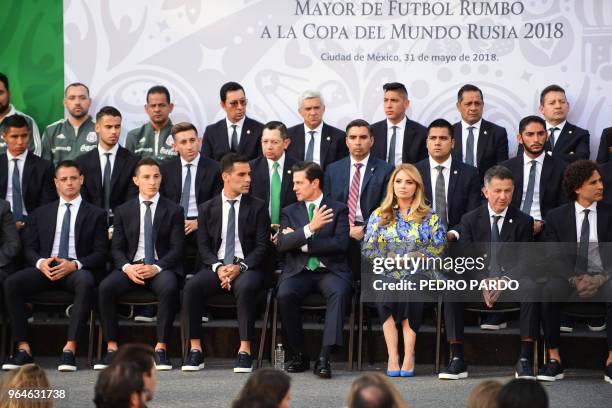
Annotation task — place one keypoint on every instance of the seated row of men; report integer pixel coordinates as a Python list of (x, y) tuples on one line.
[(231, 232)]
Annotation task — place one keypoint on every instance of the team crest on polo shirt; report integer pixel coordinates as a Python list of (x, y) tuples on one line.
[(92, 137), (60, 136), (169, 140)]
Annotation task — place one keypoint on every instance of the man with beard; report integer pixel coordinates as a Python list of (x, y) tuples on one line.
[(6, 110), (69, 138)]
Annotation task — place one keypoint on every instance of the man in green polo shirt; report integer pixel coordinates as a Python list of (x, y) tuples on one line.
[(75, 135), (154, 139), (6, 110)]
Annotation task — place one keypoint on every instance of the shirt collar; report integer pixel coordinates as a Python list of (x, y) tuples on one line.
[(400, 125), (194, 162), (76, 202), (318, 129), (446, 164), (113, 150), (281, 161), (226, 198), (229, 124), (539, 159), (492, 213), (580, 209), (364, 161), (155, 199), (560, 126), (476, 126), (317, 202), (22, 156)]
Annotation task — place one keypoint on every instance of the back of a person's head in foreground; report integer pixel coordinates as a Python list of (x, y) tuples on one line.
[(254, 401), (359, 391), (143, 356), (522, 393), (121, 385), (27, 377), (484, 395), (269, 383)]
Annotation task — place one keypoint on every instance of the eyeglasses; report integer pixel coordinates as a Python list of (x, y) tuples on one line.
[(241, 102)]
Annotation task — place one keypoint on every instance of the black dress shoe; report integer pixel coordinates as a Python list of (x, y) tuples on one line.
[(298, 364), (322, 368)]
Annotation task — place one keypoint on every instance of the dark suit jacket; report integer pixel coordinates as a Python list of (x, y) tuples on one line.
[(168, 234), (329, 244), (216, 140), (551, 179), (603, 154), (91, 242), (333, 144), (570, 145), (373, 188), (10, 244), (517, 227), (606, 175), (37, 187), (253, 230), (414, 148), (463, 190), (561, 227), (260, 181), (122, 186), (492, 145), (208, 181)]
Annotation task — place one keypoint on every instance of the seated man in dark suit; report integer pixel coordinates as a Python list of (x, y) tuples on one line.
[(109, 168), (315, 236), (233, 239), (315, 140), (490, 225), (236, 133), (9, 242), (606, 172), (359, 180), (189, 180), (398, 139), (565, 140), (604, 153), (26, 180), (147, 250), (478, 142), (581, 273), (65, 245)]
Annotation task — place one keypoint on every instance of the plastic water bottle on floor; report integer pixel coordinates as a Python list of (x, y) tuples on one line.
[(279, 357)]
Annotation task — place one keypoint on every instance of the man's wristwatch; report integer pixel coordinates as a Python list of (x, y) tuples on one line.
[(243, 267)]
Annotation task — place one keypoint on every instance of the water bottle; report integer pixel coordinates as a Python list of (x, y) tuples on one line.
[(279, 357)]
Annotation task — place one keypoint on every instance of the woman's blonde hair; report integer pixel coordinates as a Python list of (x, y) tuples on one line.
[(27, 377), (484, 395), (376, 379), (418, 209)]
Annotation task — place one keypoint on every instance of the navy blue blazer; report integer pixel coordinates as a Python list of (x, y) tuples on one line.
[(90, 239), (603, 153), (414, 147), (260, 181), (215, 143), (168, 234), (208, 181), (570, 145), (373, 188), (333, 144), (122, 186), (492, 145), (463, 190), (606, 175), (37, 186), (329, 244)]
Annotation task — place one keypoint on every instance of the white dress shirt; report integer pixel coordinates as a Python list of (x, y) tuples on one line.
[(9, 186), (399, 139), (281, 166), (192, 210), (535, 210), (230, 130), (464, 136), (362, 170), (316, 151), (594, 265), (500, 222), (101, 154), (225, 215)]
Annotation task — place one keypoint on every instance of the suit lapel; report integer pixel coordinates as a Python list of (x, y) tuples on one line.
[(300, 143), (458, 149), (97, 171), (286, 180), (508, 226), (200, 176), (217, 214), (324, 145), (563, 137), (407, 143), (427, 181), (345, 176), (160, 215), (245, 135), (50, 224), (485, 223), (225, 146), (369, 172), (81, 215), (243, 216), (117, 168), (4, 174), (545, 176), (483, 139), (518, 179), (27, 174), (455, 173)]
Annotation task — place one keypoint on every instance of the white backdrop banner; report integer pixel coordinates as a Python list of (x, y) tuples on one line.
[(347, 50)]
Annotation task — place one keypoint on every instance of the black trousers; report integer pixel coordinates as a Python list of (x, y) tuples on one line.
[(206, 283), (26, 282), (190, 254), (165, 287), (292, 291), (558, 288)]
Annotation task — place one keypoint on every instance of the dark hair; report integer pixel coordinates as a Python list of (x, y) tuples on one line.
[(183, 127), (229, 87), (360, 123), (76, 84), (576, 174), (228, 161), (254, 401), (14, 121), (116, 383), (159, 89), (147, 161), (140, 354), (498, 172), (107, 111), (442, 123), (530, 119), (277, 125), (468, 88), (4, 80), (267, 382), (548, 89), (312, 169), (395, 86), (67, 164), (372, 396), (522, 393)]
